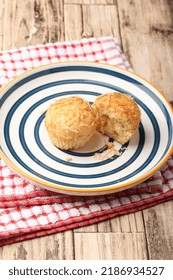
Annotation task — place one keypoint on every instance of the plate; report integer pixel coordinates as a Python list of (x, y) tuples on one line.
[(26, 147)]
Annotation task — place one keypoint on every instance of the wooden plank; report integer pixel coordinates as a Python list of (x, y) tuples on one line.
[(131, 223), (125, 223), (54, 247), (73, 22), (31, 23), (100, 21), (147, 38), (110, 246), (87, 21), (54, 11), (159, 225), (90, 228), (105, 226)]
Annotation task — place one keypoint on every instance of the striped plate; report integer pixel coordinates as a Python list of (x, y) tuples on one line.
[(26, 148)]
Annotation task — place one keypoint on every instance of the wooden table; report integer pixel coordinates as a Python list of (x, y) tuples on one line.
[(145, 32)]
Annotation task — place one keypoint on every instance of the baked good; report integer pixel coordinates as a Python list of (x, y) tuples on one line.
[(70, 122), (118, 116)]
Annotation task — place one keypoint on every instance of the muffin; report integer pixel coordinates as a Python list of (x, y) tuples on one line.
[(118, 116), (70, 122)]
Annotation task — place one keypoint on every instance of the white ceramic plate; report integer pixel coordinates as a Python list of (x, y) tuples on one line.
[(26, 147)]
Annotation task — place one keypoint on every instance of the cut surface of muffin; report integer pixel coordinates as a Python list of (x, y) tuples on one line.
[(118, 116), (70, 122)]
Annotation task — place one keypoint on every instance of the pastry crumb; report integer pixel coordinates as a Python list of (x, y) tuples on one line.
[(69, 159), (108, 153)]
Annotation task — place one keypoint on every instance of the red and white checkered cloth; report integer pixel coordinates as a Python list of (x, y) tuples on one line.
[(27, 211)]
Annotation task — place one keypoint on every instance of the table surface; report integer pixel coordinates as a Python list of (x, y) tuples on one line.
[(145, 32)]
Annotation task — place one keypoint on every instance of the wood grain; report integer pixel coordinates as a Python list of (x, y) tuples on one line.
[(90, 2), (73, 22), (110, 246), (87, 21), (90, 228), (54, 247), (100, 20), (30, 22), (159, 231), (147, 40)]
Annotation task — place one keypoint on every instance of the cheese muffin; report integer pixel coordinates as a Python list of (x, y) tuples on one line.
[(118, 116), (70, 122)]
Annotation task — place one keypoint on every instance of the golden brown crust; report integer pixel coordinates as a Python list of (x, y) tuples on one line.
[(70, 122), (118, 116)]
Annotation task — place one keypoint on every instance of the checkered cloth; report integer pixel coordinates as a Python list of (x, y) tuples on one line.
[(27, 211)]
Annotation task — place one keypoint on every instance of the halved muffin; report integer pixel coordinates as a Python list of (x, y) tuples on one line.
[(118, 116)]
